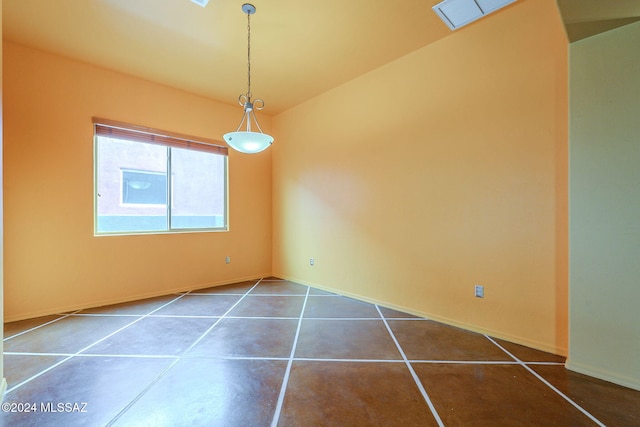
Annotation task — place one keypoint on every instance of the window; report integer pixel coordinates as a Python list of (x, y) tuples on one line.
[(152, 181)]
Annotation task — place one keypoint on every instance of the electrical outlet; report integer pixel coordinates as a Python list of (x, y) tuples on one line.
[(228, 260), (312, 261), (479, 291)]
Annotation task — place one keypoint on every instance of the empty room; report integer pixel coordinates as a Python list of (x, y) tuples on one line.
[(335, 213)]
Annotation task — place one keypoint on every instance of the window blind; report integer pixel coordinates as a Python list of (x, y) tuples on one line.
[(120, 130)]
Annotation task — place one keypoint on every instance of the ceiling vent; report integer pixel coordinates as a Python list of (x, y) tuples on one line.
[(202, 3), (458, 13)]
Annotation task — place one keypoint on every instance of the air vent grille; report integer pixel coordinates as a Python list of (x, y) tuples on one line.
[(458, 13), (202, 3)]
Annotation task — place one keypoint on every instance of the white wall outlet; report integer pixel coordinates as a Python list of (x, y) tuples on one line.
[(479, 291), (312, 261), (228, 260)]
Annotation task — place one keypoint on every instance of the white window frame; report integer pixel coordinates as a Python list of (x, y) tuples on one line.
[(133, 133)]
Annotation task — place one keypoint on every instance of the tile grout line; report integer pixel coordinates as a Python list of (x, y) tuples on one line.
[(196, 316), (224, 316), (547, 383), (15, 387), (62, 316), (178, 358), (187, 316), (150, 356), (207, 294), (295, 359), (276, 295), (104, 315), (287, 372), (464, 362), (434, 412), (87, 347)]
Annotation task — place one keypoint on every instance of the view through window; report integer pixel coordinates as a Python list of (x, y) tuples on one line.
[(147, 182)]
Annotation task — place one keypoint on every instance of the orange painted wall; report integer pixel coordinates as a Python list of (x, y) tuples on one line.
[(441, 170), (52, 260)]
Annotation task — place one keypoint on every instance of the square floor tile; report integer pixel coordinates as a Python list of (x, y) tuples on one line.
[(18, 368), (338, 307), (269, 306), (494, 395), (199, 305), (346, 339), (429, 340), (314, 291), (353, 394), (389, 313), (105, 385), (248, 338), (209, 392), (238, 288), (527, 354), (611, 404), (68, 335), (279, 287), (140, 307), (13, 328), (155, 336)]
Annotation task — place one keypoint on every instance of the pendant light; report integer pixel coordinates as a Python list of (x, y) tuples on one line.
[(248, 141)]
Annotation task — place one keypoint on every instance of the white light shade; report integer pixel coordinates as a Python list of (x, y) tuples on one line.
[(248, 142)]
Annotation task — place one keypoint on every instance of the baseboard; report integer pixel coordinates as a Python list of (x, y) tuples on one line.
[(605, 375), (3, 389), (452, 322)]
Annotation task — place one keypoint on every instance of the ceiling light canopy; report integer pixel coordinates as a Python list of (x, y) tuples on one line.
[(458, 13), (248, 141)]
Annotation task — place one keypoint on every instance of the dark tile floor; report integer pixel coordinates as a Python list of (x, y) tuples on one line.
[(272, 352)]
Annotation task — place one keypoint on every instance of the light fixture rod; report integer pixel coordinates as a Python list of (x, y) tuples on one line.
[(248, 12), (249, 9)]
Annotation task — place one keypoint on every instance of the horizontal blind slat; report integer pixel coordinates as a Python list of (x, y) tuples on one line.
[(119, 130)]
